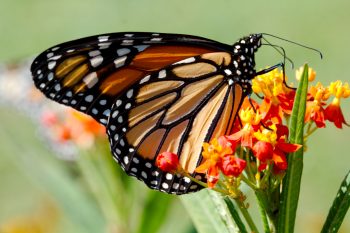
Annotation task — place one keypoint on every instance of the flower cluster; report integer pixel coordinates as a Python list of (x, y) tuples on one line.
[(258, 144), (72, 126)]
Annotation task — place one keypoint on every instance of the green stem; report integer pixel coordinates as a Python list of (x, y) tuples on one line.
[(267, 174), (92, 175), (246, 215), (204, 184), (249, 168), (264, 212), (248, 182), (310, 131)]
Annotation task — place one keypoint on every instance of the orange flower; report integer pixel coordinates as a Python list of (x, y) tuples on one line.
[(213, 153), (71, 125), (272, 145), (251, 121), (317, 97), (333, 112), (278, 98)]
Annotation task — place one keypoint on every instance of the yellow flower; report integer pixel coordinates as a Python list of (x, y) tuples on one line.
[(311, 72), (267, 135), (249, 116), (319, 93), (270, 84), (339, 90)]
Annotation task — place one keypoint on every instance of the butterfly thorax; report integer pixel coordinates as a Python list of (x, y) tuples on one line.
[(243, 58)]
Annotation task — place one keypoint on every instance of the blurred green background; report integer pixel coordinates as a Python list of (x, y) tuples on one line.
[(28, 27)]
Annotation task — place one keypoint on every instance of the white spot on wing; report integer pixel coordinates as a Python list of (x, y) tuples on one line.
[(187, 60), (228, 72), (51, 65), (57, 87), (103, 38), (56, 57), (123, 51), (126, 159), (50, 76), (130, 93), (118, 103), (127, 42), (119, 62), (127, 106), (94, 53), (169, 176), (89, 98), (140, 48), (156, 39), (145, 79), (90, 80), (104, 45), (162, 74), (96, 61)]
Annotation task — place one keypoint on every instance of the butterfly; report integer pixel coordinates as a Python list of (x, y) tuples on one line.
[(153, 92)]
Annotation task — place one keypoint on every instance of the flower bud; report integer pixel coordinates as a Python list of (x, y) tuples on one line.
[(167, 162), (263, 150)]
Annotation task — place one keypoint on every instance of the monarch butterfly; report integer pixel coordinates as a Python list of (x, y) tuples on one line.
[(153, 92)]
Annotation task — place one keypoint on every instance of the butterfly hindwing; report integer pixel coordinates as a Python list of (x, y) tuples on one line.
[(174, 109)]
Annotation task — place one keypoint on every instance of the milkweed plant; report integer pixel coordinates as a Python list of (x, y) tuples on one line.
[(265, 152)]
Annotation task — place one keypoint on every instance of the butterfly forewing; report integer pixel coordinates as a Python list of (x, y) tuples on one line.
[(175, 109), (88, 74)]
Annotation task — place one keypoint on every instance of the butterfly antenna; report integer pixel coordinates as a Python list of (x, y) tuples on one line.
[(296, 43), (283, 53)]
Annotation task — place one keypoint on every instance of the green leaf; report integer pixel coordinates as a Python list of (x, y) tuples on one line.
[(339, 207), (292, 179), (155, 212), (209, 212), (234, 213)]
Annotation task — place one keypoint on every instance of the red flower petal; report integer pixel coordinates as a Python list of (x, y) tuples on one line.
[(282, 130), (262, 167), (334, 114), (273, 112), (212, 176), (263, 150), (280, 160), (315, 113), (287, 147), (287, 101), (225, 142)]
